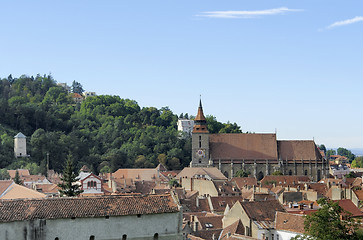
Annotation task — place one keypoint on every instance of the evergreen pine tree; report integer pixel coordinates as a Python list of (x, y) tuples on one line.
[(68, 186), (17, 179)]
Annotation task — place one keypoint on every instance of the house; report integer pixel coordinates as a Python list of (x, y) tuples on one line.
[(90, 183), (111, 217), (49, 189), (77, 98), (22, 172), (287, 226), (233, 231), (259, 154), (89, 94), (357, 198), (11, 190), (141, 174), (29, 180), (257, 217), (210, 173)]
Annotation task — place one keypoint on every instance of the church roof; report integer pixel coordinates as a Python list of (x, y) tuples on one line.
[(298, 150), (243, 146), (20, 135)]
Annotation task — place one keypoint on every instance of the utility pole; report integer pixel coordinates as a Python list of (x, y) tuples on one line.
[(47, 163)]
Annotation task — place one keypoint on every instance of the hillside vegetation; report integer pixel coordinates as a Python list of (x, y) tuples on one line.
[(104, 132)]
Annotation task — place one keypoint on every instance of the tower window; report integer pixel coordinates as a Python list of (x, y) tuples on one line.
[(200, 141)]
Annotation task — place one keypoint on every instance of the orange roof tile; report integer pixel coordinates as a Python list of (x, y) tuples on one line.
[(4, 184), (212, 172), (139, 174), (289, 222), (56, 208), (22, 172), (349, 206), (242, 181), (16, 191)]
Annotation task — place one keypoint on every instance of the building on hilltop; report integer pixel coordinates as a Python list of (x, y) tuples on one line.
[(185, 126), (258, 154), (89, 94)]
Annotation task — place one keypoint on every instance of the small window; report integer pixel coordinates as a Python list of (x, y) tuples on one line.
[(57, 238), (107, 217), (92, 237), (156, 236), (124, 237), (138, 215), (306, 172), (290, 172)]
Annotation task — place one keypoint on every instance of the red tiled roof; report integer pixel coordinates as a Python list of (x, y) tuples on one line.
[(235, 228), (208, 234), (262, 210), (215, 220), (213, 172), (242, 181), (298, 150), (359, 194), (349, 206), (4, 184), (289, 222), (243, 146), (220, 203), (22, 172), (56, 208)]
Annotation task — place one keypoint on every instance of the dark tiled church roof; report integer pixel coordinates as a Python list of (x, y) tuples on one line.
[(243, 146), (298, 150), (56, 208)]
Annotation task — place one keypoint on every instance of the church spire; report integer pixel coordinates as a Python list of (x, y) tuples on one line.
[(200, 123)]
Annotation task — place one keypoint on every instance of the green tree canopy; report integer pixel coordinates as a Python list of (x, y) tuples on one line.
[(326, 223)]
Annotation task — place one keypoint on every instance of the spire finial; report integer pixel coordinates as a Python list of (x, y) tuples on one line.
[(200, 100)]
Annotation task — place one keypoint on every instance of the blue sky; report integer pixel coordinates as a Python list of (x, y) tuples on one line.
[(295, 66)]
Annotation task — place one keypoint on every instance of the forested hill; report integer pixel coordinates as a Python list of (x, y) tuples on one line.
[(104, 132)]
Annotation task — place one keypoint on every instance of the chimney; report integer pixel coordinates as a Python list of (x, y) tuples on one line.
[(311, 205), (191, 184), (197, 202), (301, 206), (195, 226), (290, 204), (306, 186)]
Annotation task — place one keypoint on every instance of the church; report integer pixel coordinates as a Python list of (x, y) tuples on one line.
[(259, 154)]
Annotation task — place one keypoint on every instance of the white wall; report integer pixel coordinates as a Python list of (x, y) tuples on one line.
[(167, 225)]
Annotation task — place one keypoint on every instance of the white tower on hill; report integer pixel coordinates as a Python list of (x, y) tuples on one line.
[(20, 145)]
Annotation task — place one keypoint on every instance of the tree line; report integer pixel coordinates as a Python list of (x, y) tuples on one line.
[(103, 132)]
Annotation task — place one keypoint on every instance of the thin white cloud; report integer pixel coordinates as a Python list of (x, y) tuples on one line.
[(346, 22), (247, 14)]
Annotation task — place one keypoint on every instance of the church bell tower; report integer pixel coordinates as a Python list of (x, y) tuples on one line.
[(200, 140)]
